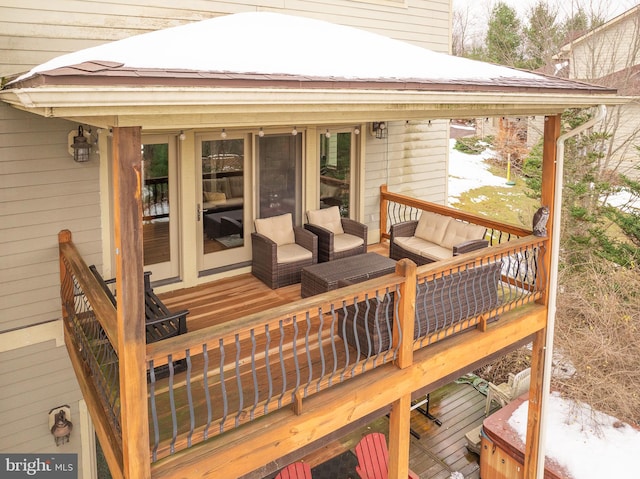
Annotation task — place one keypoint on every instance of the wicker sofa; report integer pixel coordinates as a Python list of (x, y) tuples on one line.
[(441, 303), (434, 237)]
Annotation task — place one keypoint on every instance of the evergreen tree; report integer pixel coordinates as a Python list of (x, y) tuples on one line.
[(504, 36), (542, 36)]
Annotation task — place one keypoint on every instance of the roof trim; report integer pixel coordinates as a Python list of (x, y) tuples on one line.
[(206, 107)]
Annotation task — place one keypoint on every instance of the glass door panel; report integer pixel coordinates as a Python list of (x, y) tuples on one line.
[(159, 230), (222, 184), (335, 171), (279, 175)]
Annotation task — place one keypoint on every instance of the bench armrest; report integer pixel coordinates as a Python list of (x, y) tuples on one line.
[(471, 245)]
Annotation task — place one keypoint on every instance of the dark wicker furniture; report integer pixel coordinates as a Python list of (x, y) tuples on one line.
[(441, 303), (160, 323), (326, 236), (324, 277), (408, 228), (264, 263)]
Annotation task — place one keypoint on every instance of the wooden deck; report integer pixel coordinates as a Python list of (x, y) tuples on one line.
[(438, 452)]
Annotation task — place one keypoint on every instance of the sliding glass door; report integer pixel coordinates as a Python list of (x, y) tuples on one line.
[(279, 174)]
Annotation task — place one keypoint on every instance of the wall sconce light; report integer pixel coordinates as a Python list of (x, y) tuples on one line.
[(356, 130), (223, 134), (80, 149), (60, 424), (379, 129), (294, 132), (182, 136), (327, 133), (261, 132)]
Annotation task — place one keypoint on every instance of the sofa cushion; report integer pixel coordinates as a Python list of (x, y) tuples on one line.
[(328, 218), (291, 252), (236, 186), (278, 229), (458, 232), (424, 248), (215, 197), (432, 226)]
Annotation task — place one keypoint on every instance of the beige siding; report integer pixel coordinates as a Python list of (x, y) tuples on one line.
[(608, 51), (624, 125), (412, 160), (33, 31), (40, 379), (42, 191)]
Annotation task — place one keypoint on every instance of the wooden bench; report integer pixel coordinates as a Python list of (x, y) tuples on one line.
[(160, 323)]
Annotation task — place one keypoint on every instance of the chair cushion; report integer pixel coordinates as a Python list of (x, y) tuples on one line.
[(292, 252), (344, 242), (278, 229), (458, 232), (432, 227), (328, 218)]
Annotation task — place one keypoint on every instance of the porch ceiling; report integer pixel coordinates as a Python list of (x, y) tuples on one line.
[(164, 80)]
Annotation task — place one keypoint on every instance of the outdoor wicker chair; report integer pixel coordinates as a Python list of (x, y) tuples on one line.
[(337, 237), (280, 251)]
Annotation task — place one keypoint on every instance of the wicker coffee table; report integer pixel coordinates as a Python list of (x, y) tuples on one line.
[(323, 277)]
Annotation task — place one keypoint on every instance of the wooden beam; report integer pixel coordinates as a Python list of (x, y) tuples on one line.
[(247, 448), (536, 389), (127, 174)]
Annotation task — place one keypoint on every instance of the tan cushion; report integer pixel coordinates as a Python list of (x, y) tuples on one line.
[(278, 229), (236, 186), (328, 218), (215, 197), (346, 242), (216, 185), (289, 253), (432, 227), (424, 248), (459, 232)]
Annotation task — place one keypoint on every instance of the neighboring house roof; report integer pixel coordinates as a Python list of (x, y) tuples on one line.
[(268, 58), (605, 26)]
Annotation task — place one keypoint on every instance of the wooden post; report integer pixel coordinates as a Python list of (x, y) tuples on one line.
[(406, 314), (549, 152), (399, 437), (400, 416), (66, 293), (383, 213), (127, 171)]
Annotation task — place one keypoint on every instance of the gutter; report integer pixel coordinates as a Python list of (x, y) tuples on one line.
[(553, 279)]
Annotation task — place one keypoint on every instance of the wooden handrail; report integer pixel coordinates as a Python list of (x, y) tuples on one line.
[(386, 196), (104, 310)]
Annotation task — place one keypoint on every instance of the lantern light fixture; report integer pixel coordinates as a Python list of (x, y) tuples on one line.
[(261, 132), (294, 132), (223, 134), (80, 148), (379, 129)]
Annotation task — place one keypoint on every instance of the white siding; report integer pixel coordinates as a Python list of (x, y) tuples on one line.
[(42, 192), (33, 31)]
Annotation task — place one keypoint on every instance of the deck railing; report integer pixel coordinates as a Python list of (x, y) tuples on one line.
[(396, 208), (239, 371), (90, 326)]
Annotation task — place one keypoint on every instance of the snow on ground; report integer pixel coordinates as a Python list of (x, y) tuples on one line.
[(587, 443), (469, 171)]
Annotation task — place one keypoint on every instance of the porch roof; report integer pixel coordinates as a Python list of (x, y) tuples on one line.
[(213, 72)]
